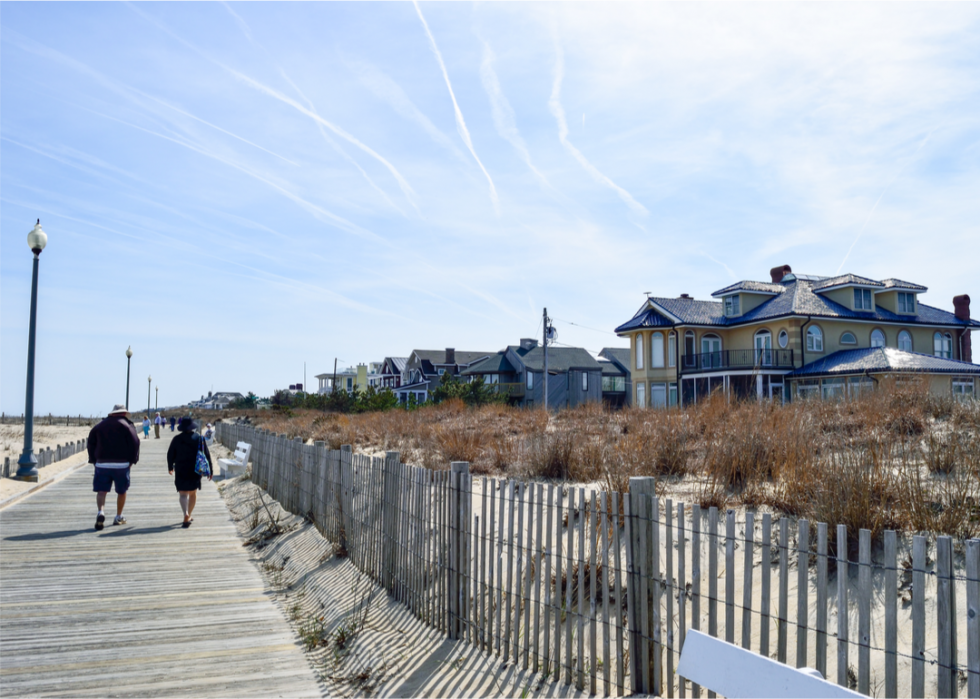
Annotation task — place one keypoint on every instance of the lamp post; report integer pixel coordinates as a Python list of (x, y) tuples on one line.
[(27, 463), (149, 385), (129, 357), (156, 404)]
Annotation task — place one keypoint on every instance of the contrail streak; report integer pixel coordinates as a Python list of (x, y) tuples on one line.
[(880, 197), (460, 122), (554, 105)]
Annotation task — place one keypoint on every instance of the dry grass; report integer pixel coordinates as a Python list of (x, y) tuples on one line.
[(895, 458)]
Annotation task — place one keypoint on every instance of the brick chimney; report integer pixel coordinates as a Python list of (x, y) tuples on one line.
[(450, 355), (777, 273), (961, 309), (685, 296)]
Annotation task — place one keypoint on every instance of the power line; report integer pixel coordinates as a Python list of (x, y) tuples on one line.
[(586, 327)]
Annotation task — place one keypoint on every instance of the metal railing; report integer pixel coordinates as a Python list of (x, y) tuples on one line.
[(737, 359)]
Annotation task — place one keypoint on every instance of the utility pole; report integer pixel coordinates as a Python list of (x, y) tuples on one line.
[(306, 389), (334, 387), (544, 385)]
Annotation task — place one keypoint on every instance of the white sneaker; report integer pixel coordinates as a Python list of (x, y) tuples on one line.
[(119, 520)]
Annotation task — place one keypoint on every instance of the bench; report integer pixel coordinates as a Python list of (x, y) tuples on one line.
[(734, 672), (236, 467)]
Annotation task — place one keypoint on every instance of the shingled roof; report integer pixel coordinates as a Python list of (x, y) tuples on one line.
[(496, 363), (882, 359), (757, 287), (560, 359), (796, 298)]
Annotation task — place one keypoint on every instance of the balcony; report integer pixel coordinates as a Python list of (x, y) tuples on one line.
[(512, 390), (740, 359)]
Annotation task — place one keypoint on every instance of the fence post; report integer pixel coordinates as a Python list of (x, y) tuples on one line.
[(639, 607), (457, 514), (388, 487), (345, 453), (946, 617)]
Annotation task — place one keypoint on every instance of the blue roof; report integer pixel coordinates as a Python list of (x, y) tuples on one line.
[(797, 298), (882, 359)]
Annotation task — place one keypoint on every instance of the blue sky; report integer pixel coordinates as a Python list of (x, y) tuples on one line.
[(237, 189)]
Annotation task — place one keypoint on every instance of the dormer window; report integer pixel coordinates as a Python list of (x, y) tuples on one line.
[(862, 300), (906, 302), (731, 306)]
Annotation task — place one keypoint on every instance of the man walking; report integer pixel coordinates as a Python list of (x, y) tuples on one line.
[(157, 421), (113, 447)]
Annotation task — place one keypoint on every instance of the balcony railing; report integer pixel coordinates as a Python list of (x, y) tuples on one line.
[(514, 390), (737, 359)]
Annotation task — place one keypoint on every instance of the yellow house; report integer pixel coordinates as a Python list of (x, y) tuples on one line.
[(797, 335)]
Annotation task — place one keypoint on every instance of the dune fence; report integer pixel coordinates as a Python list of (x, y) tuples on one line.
[(598, 589), (47, 456)]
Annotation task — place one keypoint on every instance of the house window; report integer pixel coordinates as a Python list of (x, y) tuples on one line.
[(640, 398), (862, 300), (942, 345), (350, 383), (657, 348), (731, 305), (763, 348), (858, 385), (905, 340), (710, 351), (848, 339), (672, 349), (783, 339), (658, 395), (585, 381), (530, 381), (441, 372), (906, 302), (808, 388), (832, 389), (877, 338), (814, 339), (672, 394), (689, 349), (963, 388), (639, 351)]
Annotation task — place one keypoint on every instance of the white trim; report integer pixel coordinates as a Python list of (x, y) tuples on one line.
[(850, 285), (719, 294)]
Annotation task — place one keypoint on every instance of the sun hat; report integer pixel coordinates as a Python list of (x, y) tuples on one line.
[(118, 408), (186, 424)]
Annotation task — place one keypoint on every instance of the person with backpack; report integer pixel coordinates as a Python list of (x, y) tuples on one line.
[(188, 461)]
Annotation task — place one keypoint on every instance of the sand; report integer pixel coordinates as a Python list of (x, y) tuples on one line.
[(12, 445)]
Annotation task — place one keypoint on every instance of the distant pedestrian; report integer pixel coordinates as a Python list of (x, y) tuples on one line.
[(146, 427), (173, 421), (113, 447), (181, 459), (157, 421)]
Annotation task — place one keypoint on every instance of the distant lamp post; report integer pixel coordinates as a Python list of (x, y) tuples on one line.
[(149, 385), (129, 357), (27, 463), (156, 404)]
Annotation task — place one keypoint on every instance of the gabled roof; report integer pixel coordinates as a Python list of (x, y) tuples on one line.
[(397, 363), (620, 355), (560, 359), (899, 284), (494, 364), (463, 358), (797, 298), (882, 359), (845, 280), (751, 287), (610, 368)]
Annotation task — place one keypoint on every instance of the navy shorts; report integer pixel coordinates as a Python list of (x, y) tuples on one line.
[(106, 477)]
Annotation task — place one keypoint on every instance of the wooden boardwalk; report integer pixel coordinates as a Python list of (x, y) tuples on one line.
[(142, 609)]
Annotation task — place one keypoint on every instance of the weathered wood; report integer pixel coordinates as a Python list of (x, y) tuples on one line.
[(654, 578), (548, 558), (765, 603), (669, 584), (918, 616), (821, 621), (557, 598), (712, 577), (730, 576), (891, 613), (593, 587), (569, 572), (842, 605), (783, 615), (618, 571), (972, 555), (945, 619), (682, 591), (482, 528), (528, 564), (519, 577), (747, 564), (539, 556), (695, 579), (607, 627), (580, 603), (509, 589), (864, 611), (802, 590)]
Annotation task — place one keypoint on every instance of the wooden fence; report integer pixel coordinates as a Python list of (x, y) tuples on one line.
[(598, 589), (48, 455)]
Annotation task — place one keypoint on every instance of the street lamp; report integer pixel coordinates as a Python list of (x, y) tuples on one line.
[(149, 384), (156, 405), (129, 357), (27, 463)]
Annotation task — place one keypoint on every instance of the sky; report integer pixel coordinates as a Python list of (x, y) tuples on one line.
[(240, 190)]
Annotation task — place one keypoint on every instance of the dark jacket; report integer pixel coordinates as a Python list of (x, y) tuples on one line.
[(113, 440), (183, 453)]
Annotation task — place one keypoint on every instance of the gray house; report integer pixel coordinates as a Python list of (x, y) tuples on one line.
[(616, 388), (574, 376), (424, 369)]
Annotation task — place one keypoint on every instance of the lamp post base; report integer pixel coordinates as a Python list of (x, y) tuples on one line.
[(27, 470)]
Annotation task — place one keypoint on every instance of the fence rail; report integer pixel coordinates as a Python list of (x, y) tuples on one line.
[(598, 589), (48, 455)]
